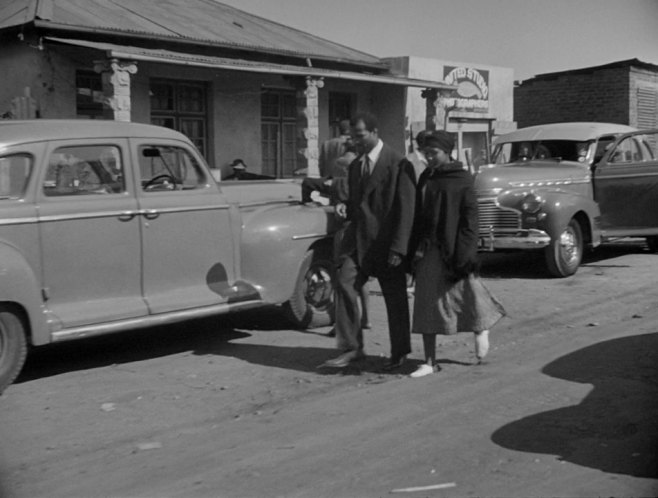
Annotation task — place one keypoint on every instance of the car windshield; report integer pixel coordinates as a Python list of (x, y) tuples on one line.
[(552, 150)]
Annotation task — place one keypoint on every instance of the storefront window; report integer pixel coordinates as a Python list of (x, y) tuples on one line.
[(89, 95), (181, 106)]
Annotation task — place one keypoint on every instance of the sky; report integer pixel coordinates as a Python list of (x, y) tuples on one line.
[(530, 36)]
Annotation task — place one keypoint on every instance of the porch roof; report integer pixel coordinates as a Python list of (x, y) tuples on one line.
[(197, 60), (206, 23)]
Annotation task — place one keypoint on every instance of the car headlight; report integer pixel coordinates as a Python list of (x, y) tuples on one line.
[(531, 203)]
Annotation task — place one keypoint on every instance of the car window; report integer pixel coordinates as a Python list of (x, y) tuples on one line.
[(84, 170), (602, 147), (14, 173), (165, 167), (558, 150), (626, 151), (648, 146)]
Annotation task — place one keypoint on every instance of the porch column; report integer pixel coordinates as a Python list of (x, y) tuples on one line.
[(430, 95), (436, 108), (308, 103), (116, 87)]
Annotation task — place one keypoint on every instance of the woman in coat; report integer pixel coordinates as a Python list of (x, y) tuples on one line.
[(449, 295)]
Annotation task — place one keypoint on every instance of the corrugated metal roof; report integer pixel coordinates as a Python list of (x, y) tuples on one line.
[(15, 13), (204, 21), (180, 58)]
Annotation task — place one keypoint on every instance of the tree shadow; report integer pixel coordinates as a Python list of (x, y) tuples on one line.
[(615, 427)]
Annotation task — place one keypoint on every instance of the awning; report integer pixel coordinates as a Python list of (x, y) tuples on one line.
[(196, 60)]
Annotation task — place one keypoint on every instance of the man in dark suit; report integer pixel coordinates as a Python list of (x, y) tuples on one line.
[(380, 209)]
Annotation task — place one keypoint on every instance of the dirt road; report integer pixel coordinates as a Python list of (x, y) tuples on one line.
[(567, 404)]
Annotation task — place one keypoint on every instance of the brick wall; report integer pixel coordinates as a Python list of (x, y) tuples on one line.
[(600, 95)]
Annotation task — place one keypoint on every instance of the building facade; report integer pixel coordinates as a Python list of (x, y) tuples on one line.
[(475, 110), (624, 92), (238, 85)]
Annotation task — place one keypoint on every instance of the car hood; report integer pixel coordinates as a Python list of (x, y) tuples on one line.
[(497, 178), (255, 191)]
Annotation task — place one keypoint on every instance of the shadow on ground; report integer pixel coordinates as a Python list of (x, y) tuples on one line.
[(219, 336), (136, 345), (615, 427)]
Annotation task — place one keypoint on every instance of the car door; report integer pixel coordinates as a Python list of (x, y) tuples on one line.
[(626, 185), (90, 234), (187, 244)]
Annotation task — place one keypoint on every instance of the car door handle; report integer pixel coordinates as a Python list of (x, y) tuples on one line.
[(150, 214), (127, 215)]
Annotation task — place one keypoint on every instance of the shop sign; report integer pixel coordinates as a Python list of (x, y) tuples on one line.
[(472, 92)]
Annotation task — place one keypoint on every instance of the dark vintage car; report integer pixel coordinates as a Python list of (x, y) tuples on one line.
[(566, 187), (108, 226)]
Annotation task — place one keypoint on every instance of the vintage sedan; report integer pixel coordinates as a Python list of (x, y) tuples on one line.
[(565, 187), (108, 227)]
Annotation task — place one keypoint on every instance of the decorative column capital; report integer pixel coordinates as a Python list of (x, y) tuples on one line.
[(115, 66), (313, 84), (116, 86)]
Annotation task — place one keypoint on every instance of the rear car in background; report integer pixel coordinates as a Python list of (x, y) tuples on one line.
[(565, 187)]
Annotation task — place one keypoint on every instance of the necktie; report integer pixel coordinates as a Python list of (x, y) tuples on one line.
[(365, 172)]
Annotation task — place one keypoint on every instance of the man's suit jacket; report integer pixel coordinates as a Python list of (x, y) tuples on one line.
[(331, 150), (381, 210)]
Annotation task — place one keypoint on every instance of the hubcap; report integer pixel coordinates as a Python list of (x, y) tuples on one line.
[(318, 287), (569, 246)]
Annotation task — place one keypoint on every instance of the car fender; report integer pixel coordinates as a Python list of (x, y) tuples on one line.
[(274, 240), (19, 285), (560, 206)]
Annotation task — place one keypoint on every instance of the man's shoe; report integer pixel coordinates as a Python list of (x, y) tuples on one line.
[(395, 363), (481, 344), (344, 360), (424, 370)]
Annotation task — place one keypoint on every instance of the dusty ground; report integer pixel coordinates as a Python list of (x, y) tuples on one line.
[(565, 406)]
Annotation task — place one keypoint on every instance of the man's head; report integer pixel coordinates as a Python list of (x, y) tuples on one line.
[(438, 146), (344, 127), (364, 131)]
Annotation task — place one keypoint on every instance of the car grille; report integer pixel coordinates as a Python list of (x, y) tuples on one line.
[(492, 217)]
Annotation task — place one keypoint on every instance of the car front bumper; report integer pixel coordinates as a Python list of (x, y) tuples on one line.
[(513, 239)]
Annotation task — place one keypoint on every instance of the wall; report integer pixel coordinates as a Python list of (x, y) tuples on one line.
[(600, 95), (646, 82), (50, 77), (233, 97), (501, 91)]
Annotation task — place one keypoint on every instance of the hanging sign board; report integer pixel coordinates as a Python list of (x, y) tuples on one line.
[(472, 94)]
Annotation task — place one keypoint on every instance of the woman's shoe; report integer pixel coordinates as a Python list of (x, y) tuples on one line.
[(424, 370), (481, 344)]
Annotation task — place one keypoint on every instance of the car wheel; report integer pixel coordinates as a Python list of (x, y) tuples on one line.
[(652, 243), (312, 303), (564, 254), (13, 346)]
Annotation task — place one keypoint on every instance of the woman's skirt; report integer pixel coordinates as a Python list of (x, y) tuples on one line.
[(445, 307)]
